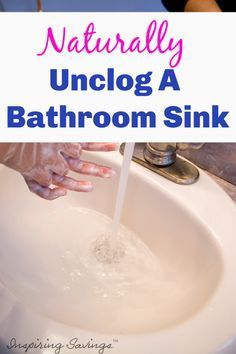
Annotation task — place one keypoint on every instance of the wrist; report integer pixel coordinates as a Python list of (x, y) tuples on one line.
[(4, 148)]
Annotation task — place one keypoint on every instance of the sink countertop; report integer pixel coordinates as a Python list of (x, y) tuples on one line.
[(229, 188), (218, 161)]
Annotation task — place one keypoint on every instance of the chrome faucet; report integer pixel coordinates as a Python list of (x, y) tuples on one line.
[(163, 159), (164, 154)]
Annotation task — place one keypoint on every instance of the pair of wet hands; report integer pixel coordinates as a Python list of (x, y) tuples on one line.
[(45, 166)]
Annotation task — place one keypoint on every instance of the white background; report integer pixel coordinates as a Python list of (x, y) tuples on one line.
[(207, 74)]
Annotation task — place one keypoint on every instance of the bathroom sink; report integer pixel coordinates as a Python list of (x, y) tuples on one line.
[(190, 231)]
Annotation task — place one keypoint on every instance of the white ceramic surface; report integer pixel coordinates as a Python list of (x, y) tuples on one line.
[(191, 230)]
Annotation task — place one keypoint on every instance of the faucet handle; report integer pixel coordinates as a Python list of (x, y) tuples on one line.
[(160, 154), (164, 154)]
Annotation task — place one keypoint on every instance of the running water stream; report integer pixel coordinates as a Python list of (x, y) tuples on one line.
[(124, 174), (109, 248)]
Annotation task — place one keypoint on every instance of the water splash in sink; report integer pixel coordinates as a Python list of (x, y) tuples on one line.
[(138, 268), (106, 288)]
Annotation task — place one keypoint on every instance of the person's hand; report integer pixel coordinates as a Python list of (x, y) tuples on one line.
[(45, 166)]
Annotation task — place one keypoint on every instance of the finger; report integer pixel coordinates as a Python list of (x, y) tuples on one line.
[(72, 149), (39, 175), (89, 168), (99, 146), (45, 192), (61, 168), (72, 184)]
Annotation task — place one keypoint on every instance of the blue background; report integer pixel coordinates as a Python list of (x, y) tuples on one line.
[(83, 5)]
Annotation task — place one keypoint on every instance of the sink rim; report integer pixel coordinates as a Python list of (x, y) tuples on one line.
[(205, 210)]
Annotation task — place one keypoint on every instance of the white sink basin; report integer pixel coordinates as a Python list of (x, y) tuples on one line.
[(189, 229)]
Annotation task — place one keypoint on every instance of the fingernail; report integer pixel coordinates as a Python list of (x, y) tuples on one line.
[(61, 192), (86, 187), (109, 173), (111, 146), (117, 146)]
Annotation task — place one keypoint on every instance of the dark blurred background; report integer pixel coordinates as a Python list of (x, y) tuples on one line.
[(83, 5)]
